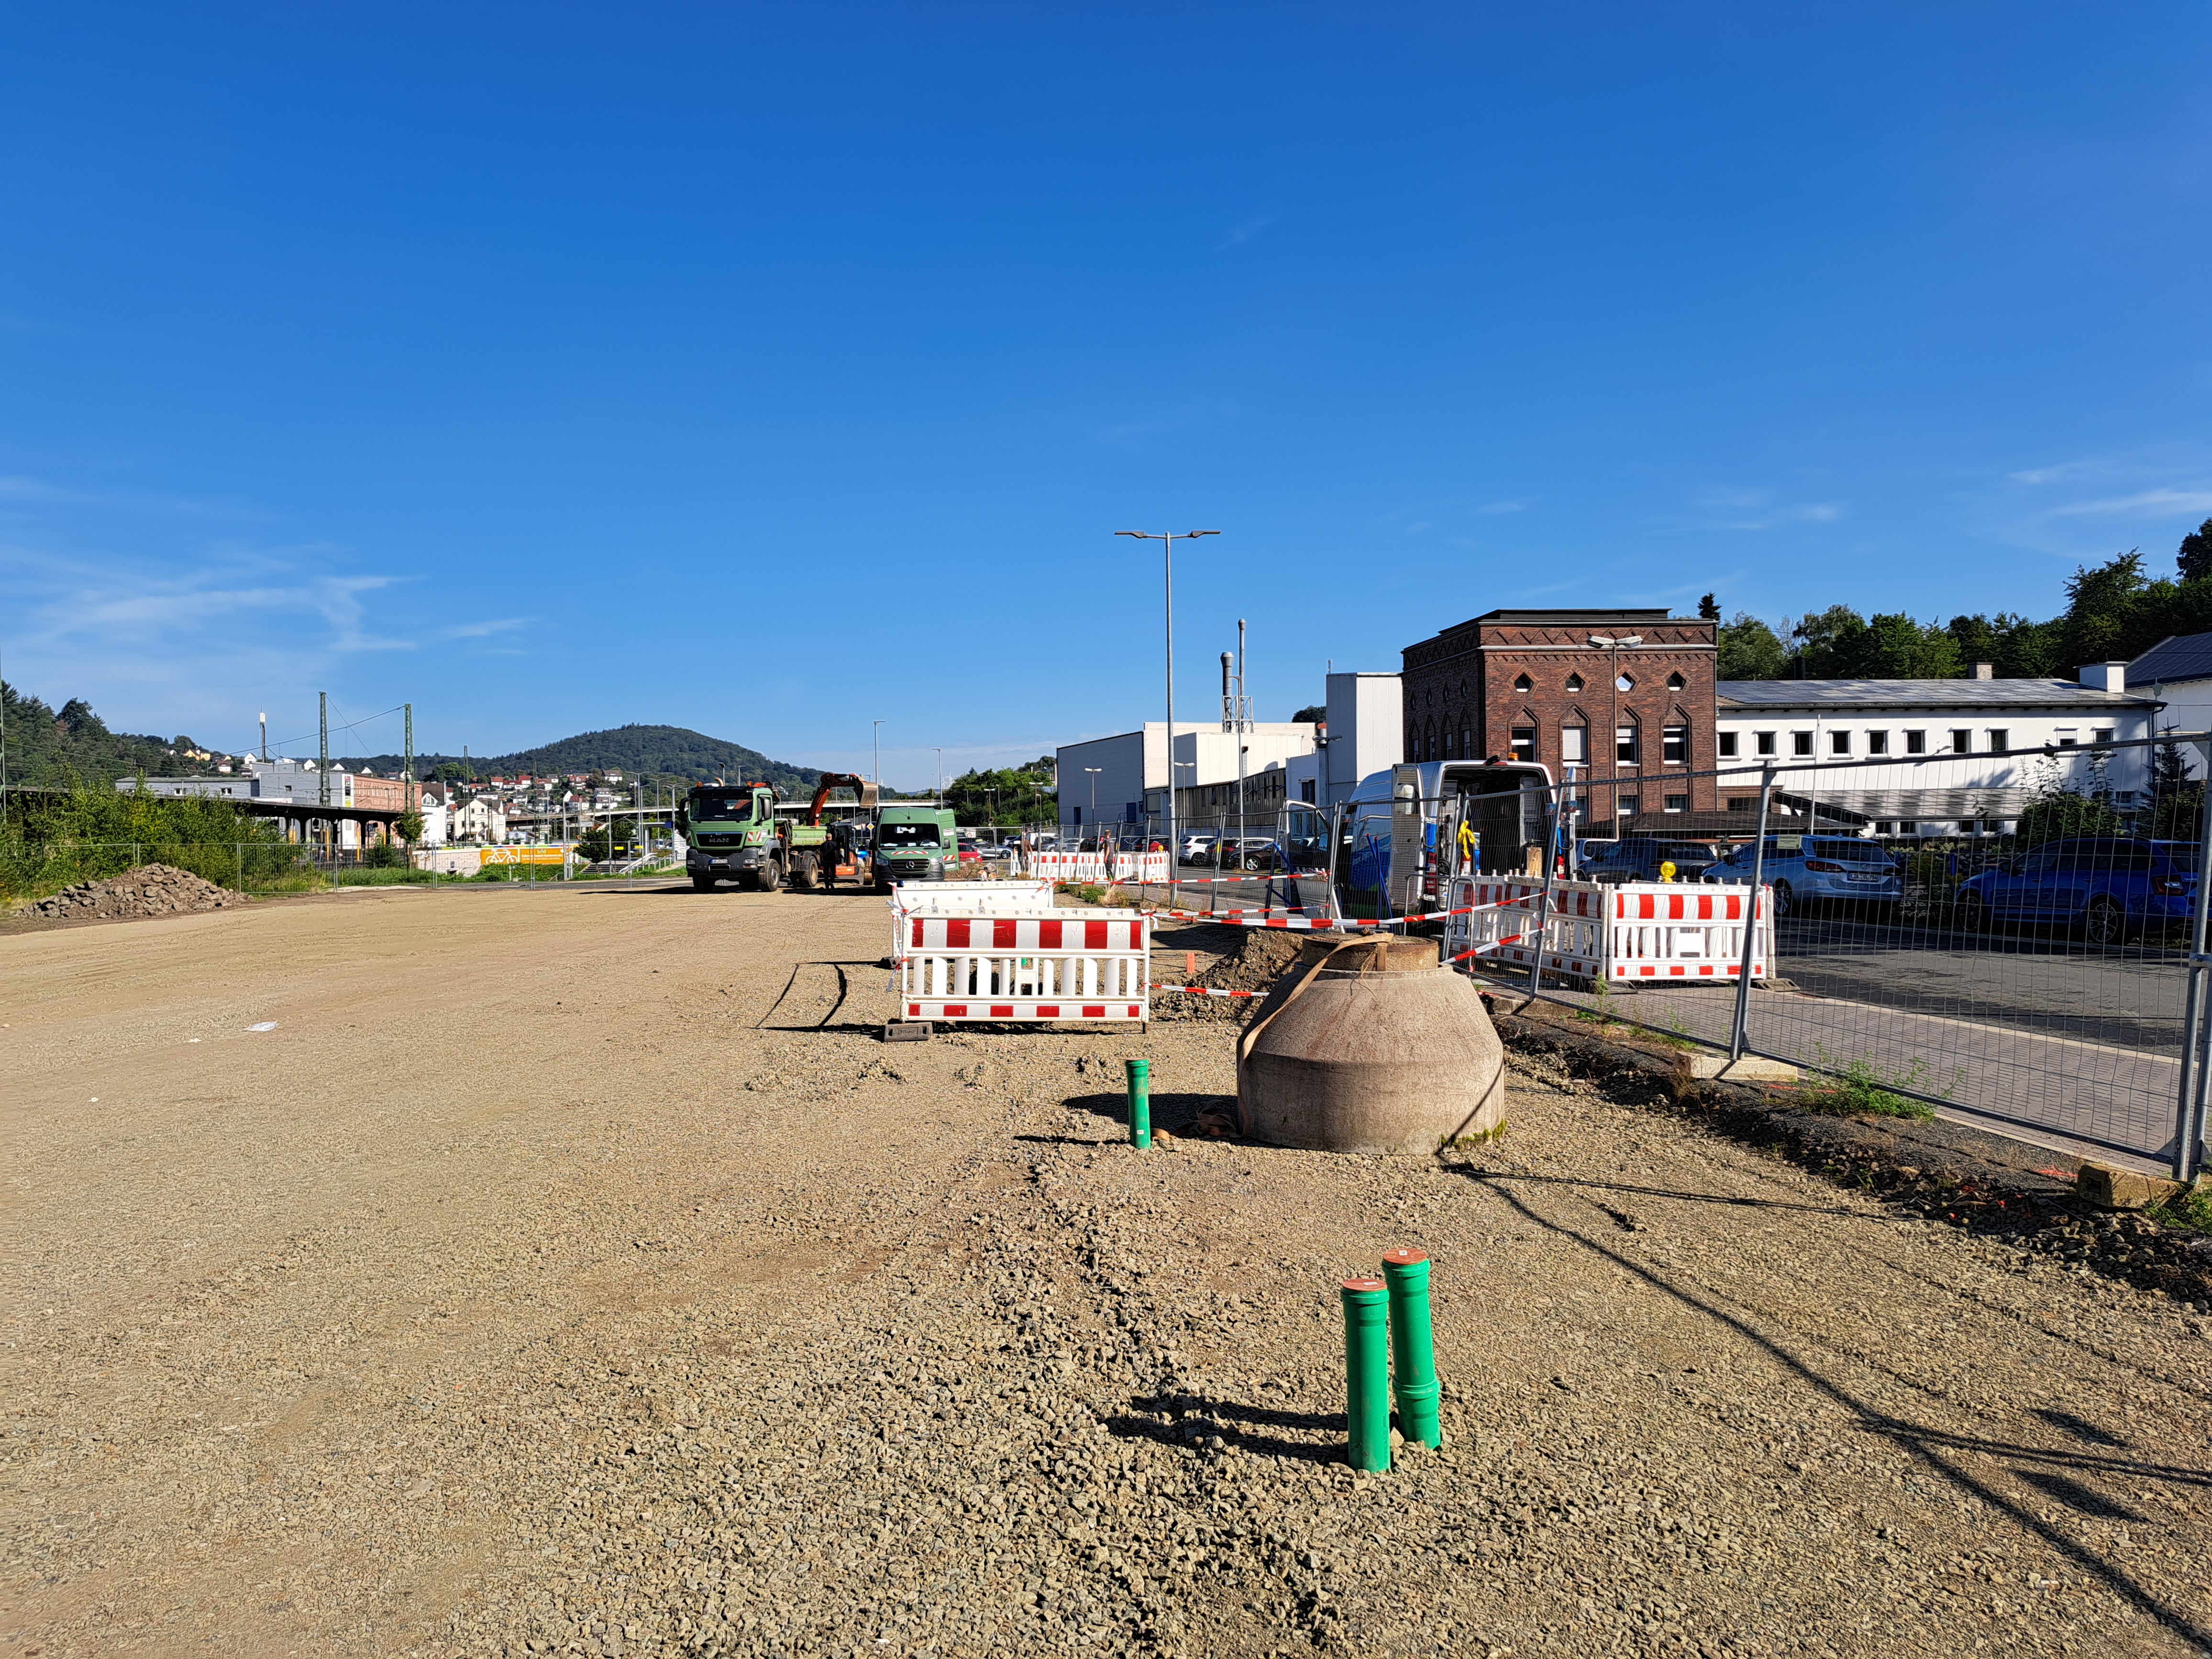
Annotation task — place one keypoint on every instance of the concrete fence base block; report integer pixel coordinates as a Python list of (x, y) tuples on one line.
[(2123, 1189), (1752, 1068)]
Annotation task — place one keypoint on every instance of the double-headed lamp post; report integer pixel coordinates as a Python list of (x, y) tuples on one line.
[(1168, 541), (1094, 771), (1616, 644)]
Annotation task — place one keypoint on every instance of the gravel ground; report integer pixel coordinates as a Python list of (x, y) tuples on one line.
[(575, 1271)]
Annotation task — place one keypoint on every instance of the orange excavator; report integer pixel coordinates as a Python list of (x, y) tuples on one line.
[(842, 853)]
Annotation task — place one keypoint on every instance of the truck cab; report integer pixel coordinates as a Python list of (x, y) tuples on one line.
[(914, 843)]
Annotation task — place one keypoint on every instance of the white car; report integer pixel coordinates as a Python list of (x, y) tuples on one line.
[(1198, 847)]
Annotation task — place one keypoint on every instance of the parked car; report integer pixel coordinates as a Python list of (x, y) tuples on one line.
[(1637, 858), (1806, 870), (969, 852), (1198, 847), (2109, 886), (1248, 853)]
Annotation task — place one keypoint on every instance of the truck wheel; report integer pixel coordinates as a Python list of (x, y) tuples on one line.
[(805, 872), (770, 876), (703, 884)]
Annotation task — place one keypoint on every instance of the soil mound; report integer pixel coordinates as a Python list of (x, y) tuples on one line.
[(1261, 959), (152, 889)]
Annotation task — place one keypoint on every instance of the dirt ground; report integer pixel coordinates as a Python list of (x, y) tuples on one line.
[(574, 1271)]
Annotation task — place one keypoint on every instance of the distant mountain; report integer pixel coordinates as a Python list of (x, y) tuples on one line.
[(665, 752), (47, 746)]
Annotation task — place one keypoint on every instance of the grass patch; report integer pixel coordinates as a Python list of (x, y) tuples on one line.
[(1860, 1088), (2191, 1211)]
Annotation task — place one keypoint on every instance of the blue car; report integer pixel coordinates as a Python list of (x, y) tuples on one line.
[(1805, 869), (2108, 886)]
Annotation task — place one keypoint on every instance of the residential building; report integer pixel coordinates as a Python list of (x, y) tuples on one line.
[(2177, 673), (1636, 719), (1965, 753), (480, 820)]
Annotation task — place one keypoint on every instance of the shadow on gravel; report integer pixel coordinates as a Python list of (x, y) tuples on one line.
[(1173, 1112), (2075, 1496), (1687, 1198), (1072, 1141), (1194, 1431), (2080, 1427), (1929, 1444)]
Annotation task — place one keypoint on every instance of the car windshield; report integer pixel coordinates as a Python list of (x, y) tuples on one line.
[(907, 835), (714, 805)]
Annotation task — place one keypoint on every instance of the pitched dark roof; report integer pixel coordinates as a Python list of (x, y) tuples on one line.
[(2182, 657), (1923, 694)]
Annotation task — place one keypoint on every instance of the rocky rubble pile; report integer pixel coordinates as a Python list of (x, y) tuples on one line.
[(151, 889)]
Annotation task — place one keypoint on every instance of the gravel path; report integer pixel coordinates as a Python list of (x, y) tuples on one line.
[(515, 1293)]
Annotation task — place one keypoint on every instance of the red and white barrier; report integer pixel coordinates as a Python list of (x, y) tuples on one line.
[(1633, 933), (1100, 866), (1074, 965)]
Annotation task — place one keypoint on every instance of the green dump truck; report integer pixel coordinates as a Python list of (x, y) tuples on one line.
[(735, 834)]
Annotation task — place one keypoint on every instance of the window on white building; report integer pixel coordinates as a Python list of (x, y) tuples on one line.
[(1766, 745), (2066, 737), (1801, 743), (1962, 740), (1916, 743), (1839, 743), (2000, 741), (1727, 745), (1877, 743)]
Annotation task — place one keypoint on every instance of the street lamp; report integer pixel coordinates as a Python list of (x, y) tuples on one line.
[(877, 733), (941, 777), (1167, 548), (1094, 771), (1616, 644)]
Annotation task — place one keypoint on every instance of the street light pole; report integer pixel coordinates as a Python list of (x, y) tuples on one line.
[(876, 731), (1616, 645), (1094, 771), (941, 777), (1167, 568)]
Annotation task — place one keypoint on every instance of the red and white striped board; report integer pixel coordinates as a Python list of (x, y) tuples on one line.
[(939, 1008), (1071, 931), (1628, 933)]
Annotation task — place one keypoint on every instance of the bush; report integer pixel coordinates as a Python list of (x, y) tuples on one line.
[(50, 842)]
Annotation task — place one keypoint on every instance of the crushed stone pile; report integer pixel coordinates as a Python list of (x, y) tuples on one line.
[(152, 889), (1261, 959)]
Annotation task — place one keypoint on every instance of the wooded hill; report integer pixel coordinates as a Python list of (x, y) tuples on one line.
[(667, 753), (52, 748)]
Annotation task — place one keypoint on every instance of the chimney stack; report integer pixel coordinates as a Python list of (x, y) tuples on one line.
[(1986, 670), (2105, 676)]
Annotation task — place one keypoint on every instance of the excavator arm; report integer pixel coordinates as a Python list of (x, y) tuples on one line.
[(859, 787)]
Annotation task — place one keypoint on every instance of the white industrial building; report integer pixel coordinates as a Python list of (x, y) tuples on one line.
[(1964, 755)]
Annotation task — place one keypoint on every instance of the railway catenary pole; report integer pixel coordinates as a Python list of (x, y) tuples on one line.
[(1167, 572)]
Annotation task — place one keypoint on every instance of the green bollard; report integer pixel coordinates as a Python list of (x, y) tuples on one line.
[(1140, 1103), (1412, 1347), (1366, 1376)]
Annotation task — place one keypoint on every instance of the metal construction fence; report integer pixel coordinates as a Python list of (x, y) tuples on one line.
[(2013, 938)]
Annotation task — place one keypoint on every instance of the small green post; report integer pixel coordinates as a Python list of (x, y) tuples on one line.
[(1412, 1347), (1140, 1104), (1366, 1376)]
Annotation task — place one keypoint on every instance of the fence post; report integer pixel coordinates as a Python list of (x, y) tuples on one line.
[(1543, 903), (2189, 1108), (1739, 1028), (238, 847)]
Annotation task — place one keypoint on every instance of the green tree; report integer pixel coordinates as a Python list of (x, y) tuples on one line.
[(1709, 609), (2194, 559), (1748, 650), (1003, 796), (1312, 714)]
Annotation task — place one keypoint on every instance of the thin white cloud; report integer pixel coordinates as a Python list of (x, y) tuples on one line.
[(478, 630), (2142, 503), (1237, 235), (1519, 504)]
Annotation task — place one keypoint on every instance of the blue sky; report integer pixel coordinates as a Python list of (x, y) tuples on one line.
[(773, 370)]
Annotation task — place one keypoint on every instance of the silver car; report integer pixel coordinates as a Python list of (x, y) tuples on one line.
[(1806, 870)]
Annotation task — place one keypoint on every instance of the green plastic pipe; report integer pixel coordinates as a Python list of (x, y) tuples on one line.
[(1412, 1347), (1366, 1374), (1140, 1104)]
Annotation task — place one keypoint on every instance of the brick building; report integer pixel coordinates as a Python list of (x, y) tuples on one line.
[(1529, 685)]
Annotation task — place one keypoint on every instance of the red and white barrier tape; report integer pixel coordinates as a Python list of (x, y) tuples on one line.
[(1206, 991), (1298, 919)]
